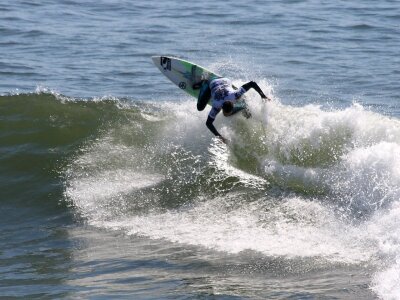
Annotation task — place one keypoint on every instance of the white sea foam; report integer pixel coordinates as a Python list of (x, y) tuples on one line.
[(298, 228), (384, 229)]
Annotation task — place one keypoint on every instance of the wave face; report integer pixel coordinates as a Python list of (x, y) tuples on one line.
[(294, 182)]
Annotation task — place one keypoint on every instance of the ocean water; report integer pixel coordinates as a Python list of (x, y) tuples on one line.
[(111, 186)]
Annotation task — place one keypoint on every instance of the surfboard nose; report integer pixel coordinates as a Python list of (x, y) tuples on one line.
[(163, 63), (156, 60)]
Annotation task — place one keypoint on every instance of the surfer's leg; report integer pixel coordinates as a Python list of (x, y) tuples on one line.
[(204, 96)]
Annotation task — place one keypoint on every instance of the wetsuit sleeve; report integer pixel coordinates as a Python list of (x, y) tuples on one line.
[(255, 86), (210, 126)]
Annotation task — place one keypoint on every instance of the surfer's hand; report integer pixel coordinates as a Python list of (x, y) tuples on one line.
[(222, 139), (266, 98)]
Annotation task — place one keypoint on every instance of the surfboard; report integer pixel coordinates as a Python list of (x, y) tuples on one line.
[(183, 73)]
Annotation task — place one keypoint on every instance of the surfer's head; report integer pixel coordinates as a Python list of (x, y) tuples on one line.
[(227, 107)]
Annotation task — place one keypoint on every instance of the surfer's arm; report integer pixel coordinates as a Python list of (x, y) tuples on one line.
[(210, 126), (210, 120), (254, 85)]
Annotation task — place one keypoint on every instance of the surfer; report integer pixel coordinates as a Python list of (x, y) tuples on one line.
[(223, 96)]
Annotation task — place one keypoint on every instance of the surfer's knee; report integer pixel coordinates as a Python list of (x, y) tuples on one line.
[(201, 106)]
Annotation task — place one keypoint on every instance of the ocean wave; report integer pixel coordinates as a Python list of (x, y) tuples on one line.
[(292, 182), (299, 149)]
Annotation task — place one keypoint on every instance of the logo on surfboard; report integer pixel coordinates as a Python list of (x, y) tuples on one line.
[(165, 63), (182, 85)]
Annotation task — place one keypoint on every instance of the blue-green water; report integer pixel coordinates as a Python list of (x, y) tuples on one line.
[(113, 187)]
